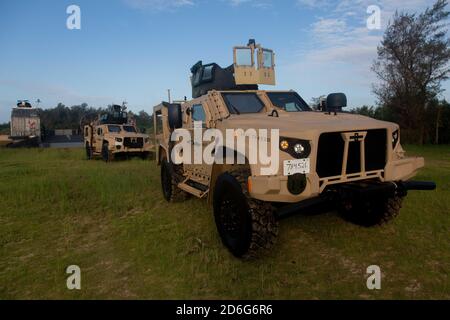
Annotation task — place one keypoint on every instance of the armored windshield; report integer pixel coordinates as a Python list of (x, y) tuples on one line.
[(129, 129), (289, 101), (238, 103), (114, 129)]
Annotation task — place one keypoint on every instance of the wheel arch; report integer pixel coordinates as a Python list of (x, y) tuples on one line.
[(218, 169), (260, 226)]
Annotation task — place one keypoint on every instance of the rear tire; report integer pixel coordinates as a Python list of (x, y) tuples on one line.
[(169, 184), (145, 155), (247, 227), (371, 212)]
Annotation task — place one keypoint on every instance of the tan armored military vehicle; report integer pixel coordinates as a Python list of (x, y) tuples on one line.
[(112, 135), (325, 159)]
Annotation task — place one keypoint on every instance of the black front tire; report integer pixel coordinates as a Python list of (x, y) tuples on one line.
[(247, 226), (371, 212), (106, 154), (89, 154)]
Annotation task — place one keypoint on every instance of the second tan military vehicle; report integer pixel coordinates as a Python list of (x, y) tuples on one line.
[(111, 135), (326, 158)]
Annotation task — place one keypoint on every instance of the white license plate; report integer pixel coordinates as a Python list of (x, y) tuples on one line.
[(291, 167)]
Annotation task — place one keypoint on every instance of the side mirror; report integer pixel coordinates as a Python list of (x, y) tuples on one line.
[(336, 101), (175, 116)]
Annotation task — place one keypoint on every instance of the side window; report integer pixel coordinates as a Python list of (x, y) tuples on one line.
[(86, 132), (198, 114), (99, 131), (159, 123), (244, 57), (196, 77), (291, 107), (207, 73), (267, 59)]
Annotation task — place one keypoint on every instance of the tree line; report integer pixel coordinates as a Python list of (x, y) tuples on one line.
[(75, 117), (436, 115), (4, 128)]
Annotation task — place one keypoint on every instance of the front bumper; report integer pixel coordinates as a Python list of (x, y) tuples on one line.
[(120, 148), (403, 169), (274, 188), (353, 190)]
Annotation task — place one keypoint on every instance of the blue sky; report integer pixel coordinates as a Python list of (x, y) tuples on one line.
[(135, 50)]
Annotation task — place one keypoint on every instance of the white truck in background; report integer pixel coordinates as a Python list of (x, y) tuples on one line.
[(25, 126)]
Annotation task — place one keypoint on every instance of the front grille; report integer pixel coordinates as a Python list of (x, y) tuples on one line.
[(330, 154), (331, 149), (133, 142), (376, 149), (354, 157)]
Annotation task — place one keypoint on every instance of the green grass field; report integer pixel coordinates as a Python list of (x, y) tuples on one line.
[(57, 209)]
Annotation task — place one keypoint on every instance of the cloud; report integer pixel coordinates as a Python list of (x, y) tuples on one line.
[(340, 50), (158, 5), (163, 5), (327, 29), (235, 3), (313, 3), (341, 33), (261, 4)]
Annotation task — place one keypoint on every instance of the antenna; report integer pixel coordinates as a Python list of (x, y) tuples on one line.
[(168, 95)]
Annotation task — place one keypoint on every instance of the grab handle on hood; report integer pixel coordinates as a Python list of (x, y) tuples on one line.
[(274, 112)]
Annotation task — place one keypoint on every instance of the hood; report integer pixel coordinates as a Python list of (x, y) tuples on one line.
[(294, 123)]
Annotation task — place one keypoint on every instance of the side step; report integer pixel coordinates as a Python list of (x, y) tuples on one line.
[(192, 190)]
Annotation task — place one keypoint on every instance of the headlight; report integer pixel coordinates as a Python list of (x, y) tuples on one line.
[(395, 138), (297, 148), (147, 140), (119, 139)]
